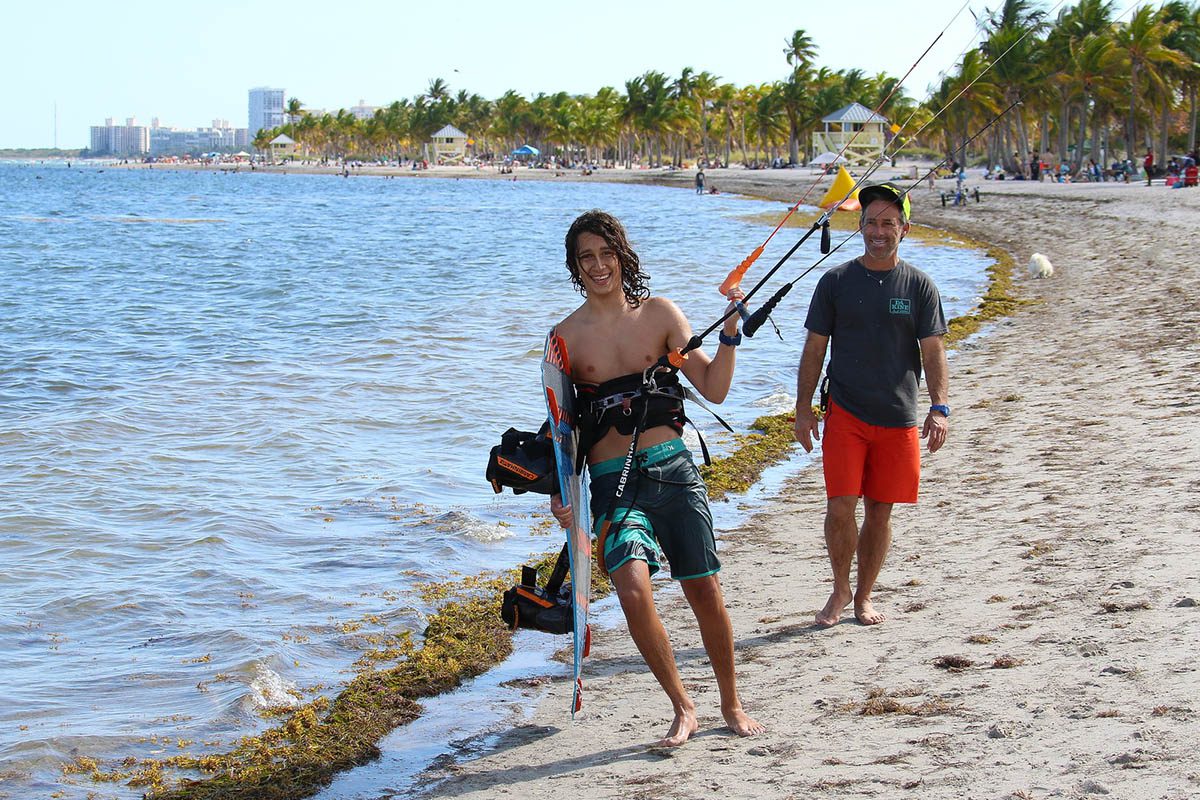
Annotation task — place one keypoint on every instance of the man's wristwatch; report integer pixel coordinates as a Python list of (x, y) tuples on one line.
[(941, 409)]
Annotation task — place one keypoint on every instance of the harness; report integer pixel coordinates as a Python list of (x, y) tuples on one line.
[(634, 403), (625, 402)]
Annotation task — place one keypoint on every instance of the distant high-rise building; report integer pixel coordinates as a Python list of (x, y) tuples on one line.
[(363, 111), (266, 109), (197, 141), (129, 139)]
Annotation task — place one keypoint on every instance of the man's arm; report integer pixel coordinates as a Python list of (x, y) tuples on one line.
[(811, 360), (937, 379)]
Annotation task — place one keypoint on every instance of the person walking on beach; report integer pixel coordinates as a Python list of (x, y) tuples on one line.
[(616, 333), (700, 182), (1148, 165), (885, 320)]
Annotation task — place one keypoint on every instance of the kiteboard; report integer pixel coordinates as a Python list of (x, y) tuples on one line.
[(564, 430)]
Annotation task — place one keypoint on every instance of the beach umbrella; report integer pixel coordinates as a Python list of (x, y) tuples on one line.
[(526, 150)]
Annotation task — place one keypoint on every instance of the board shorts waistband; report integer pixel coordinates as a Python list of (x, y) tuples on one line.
[(651, 455)]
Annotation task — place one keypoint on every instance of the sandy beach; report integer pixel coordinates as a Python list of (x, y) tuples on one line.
[(1042, 623)]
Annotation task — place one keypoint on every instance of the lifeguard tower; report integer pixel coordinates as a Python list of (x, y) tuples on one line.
[(448, 145), (282, 146), (840, 128)]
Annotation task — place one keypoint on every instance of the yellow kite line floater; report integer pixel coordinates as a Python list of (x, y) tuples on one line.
[(841, 191)]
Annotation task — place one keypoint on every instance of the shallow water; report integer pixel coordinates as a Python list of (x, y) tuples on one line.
[(240, 411)]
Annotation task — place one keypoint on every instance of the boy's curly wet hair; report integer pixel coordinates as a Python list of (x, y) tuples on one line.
[(608, 228)]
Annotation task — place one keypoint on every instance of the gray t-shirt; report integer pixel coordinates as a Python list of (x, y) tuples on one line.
[(875, 321)]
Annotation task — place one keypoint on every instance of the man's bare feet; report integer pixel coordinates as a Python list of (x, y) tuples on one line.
[(866, 614), (832, 612), (741, 723), (682, 728)]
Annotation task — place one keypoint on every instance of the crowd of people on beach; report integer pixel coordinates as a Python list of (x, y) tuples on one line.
[(1178, 172)]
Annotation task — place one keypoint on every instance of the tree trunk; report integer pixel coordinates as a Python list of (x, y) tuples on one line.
[(1163, 141), (1192, 118), (1083, 118), (1064, 122), (1131, 118)]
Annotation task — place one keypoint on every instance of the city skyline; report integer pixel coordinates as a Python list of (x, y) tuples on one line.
[(187, 68)]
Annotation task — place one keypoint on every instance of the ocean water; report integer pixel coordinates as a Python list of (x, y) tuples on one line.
[(242, 416)]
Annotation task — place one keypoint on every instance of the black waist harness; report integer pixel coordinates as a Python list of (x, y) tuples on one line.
[(635, 403), (626, 402)]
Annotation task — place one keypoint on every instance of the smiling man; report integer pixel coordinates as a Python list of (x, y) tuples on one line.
[(661, 512), (885, 320)]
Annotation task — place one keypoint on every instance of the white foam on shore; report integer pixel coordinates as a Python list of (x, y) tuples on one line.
[(269, 689)]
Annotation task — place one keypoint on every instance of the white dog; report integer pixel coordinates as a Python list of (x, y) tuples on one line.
[(1040, 266)]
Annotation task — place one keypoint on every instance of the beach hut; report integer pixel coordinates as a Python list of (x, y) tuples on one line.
[(282, 146), (448, 145), (842, 126)]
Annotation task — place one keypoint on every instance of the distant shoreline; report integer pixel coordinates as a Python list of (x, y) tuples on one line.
[(786, 185)]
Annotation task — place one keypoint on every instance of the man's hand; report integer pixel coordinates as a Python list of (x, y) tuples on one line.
[(935, 429), (564, 514), (806, 427)]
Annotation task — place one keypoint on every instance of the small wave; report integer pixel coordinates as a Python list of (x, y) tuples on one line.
[(270, 690), (470, 526), (777, 402), (163, 220)]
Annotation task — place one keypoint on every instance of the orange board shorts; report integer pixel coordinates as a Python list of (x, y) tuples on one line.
[(864, 460)]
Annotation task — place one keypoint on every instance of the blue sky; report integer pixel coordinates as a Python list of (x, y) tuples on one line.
[(189, 64)]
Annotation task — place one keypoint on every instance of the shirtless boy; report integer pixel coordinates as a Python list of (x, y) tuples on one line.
[(616, 334)]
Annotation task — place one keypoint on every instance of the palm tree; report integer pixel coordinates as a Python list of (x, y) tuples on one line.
[(770, 119), (703, 94), (657, 114), (728, 105), (800, 51), (599, 123), (438, 90), (1149, 62), (1095, 67), (794, 99), (509, 119), (1012, 52), (748, 99), (395, 120), (964, 102), (632, 111), (1184, 39), (294, 110), (262, 140), (883, 91), (345, 129), (1079, 60)]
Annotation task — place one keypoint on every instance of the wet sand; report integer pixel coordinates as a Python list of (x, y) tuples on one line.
[(1042, 624)]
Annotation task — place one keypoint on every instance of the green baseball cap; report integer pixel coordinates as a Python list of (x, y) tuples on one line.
[(886, 191)]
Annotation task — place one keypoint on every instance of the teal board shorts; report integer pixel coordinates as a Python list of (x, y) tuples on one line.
[(663, 512)]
